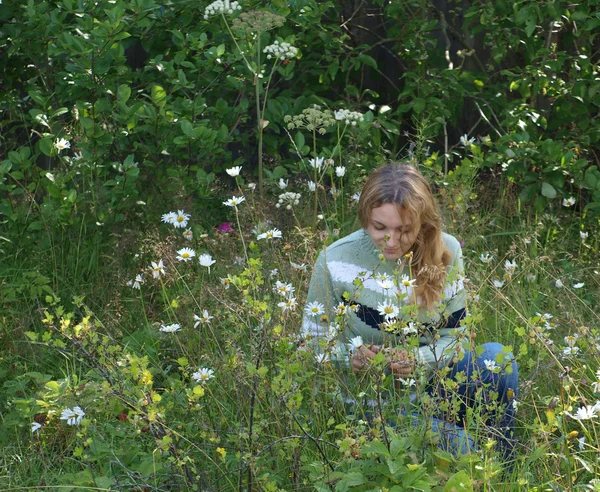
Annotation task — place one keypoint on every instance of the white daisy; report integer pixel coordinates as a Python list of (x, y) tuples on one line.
[(185, 254), (283, 289), (388, 310), (181, 219), (170, 328), (272, 234), (158, 269), (314, 308), (203, 375), (188, 234), (235, 201), (288, 305), (410, 329), (205, 318), (510, 266), (486, 257), (73, 416), (355, 343), (61, 144), (586, 412), (169, 218)]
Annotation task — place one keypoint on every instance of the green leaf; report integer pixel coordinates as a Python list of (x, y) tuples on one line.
[(124, 93), (367, 60), (459, 482), (46, 146), (159, 96), (548, 190), (299, 140)]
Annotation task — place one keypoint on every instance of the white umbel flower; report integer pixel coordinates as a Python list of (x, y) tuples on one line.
[(221, 7), (281, 51)]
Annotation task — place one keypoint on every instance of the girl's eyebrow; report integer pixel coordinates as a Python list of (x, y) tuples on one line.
[(405, 226)]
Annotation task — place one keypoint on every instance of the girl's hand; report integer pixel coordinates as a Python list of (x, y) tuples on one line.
[(401, 363), (361, 358)]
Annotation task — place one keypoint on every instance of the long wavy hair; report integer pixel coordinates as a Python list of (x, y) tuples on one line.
[(403, 185)]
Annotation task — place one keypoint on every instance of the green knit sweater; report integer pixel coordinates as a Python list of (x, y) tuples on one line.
[(350, 273)]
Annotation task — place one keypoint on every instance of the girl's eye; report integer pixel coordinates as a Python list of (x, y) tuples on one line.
[(379, 228)]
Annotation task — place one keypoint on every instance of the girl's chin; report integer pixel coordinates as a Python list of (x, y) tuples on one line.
[(392, 254)]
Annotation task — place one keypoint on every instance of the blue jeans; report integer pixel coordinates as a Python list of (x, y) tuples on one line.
[(481, 388)]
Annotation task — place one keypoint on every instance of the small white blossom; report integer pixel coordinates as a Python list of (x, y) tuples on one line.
[(221, 7), (234, 171), (571, 340), (486, 257), (586, 412), (137, 283), (348, 117), (206, 260), (170, 328), (235, 201), (578, 285), (410, 329), (288, 305), (465, 141), (185, 254), (356, 197), (169, 218), (510, 266), (283, 289), (408, 382), (204, 319), (73, 416), (283, 184), (188, 234), (158, 269), (181, 219), (355, 343), (491, 365), (388, 310), (385, 284), (289, 199), (583, 234), (314, 308), (317, 163), (281, 51), (252, 186), (61, 144), (498, 283), (340, 171), (559, 283), (569, 202), (311, 186), (321, 358), (35, 426), (272, 234), (203, 375)]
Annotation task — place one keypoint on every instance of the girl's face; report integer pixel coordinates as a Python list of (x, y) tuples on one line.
[(392, 233)]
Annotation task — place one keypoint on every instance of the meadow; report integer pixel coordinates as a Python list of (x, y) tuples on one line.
[(160, 218)]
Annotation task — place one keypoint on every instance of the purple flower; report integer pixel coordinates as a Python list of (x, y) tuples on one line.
[(225, 227), (462, 244)]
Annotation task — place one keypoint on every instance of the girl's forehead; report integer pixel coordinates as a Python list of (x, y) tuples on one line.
[(391, 215)]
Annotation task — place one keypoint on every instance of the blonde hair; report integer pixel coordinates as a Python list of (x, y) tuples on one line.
[(404, 186)]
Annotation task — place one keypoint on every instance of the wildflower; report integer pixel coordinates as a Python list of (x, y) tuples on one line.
[(491, 365), (203, 375), (273, 273), (314, 308), (206, 260), (385, 284), (498, 283), (235, 201), (170, 328), (283, 289), (185, 254), (340, 309), (62, 144), (545, 316), (569, 202), (252, 186), (515, 405), (205, 318), (158, 269), (221, 7), (348, 117), (581, 443), (272, 234), (596, 387), (73, 416), (559, 283), (136, 284), (578, 285), (586, 412), (35, 426), (225, 228), (407, 283), (299, 266), (188, 234), (356, 197), (465, 141), (181, 220), (568, 351), (283, 184), (410, 329), (226, 282), (530, 277), (408, 382), (583, 234), (340, 171), (510, 266), (281, 51), (289, 199), (333, 330), (486, 258), (355, 343), (234, 171), (321, 358), (311, 186), (317, 163), (571, 340), (388, 310), (169, 218), (288, 305)]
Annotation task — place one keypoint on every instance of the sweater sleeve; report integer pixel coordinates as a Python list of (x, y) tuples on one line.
[(318, 329), (439, 353)]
